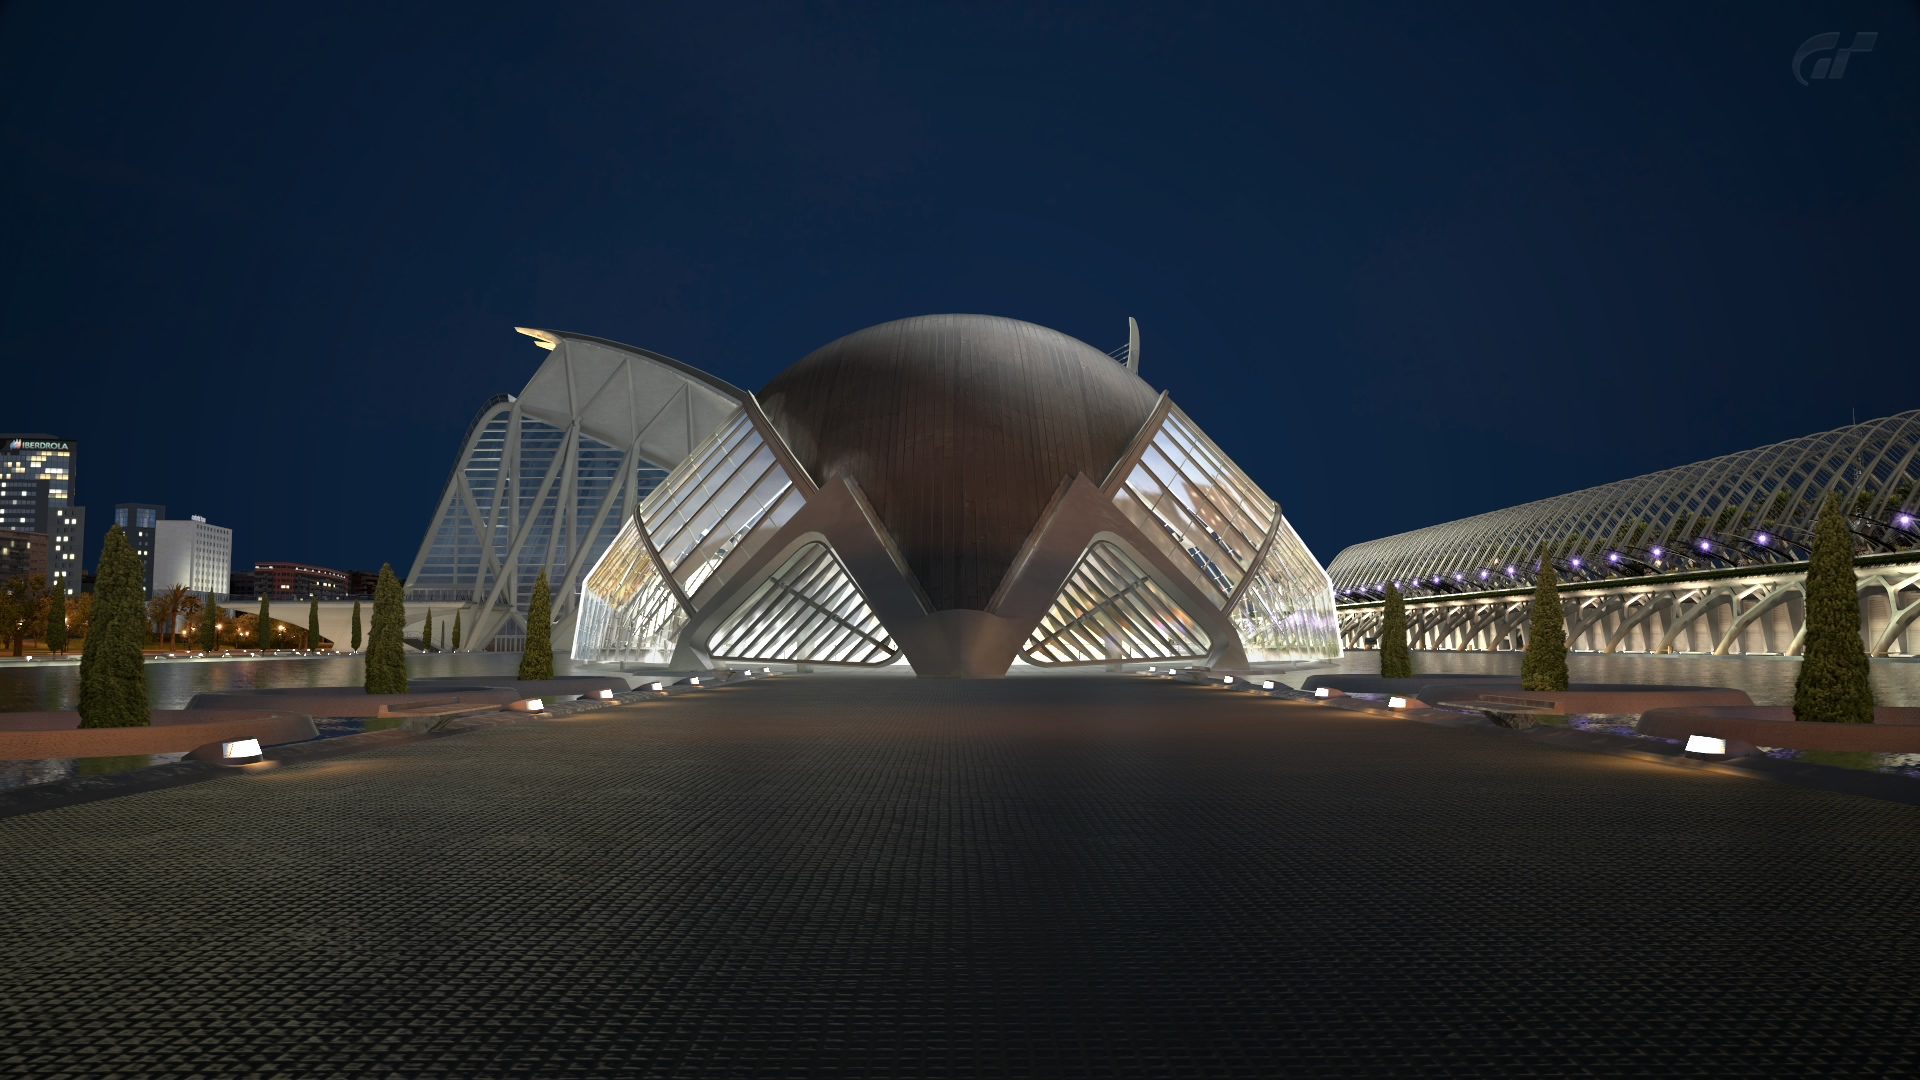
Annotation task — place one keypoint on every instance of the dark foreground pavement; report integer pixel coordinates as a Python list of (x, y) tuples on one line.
[(1042, 876)]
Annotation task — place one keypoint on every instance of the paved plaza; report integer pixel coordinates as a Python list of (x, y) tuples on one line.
[(1039, 876)]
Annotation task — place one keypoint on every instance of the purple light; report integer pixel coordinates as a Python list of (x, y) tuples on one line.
[(1905, 521), (1613, 556), (1436, 579), (1457, 576), (1657, 552), (1510, 572), (1763, 539), (1576, 564), (1705, 546), (1483, 575)]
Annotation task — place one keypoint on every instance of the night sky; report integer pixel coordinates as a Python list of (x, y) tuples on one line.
[(1403, 263)]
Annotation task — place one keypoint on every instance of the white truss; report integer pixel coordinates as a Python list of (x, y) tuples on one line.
[(546, 479), (808, 611), (1111, 609), (1752, 508)]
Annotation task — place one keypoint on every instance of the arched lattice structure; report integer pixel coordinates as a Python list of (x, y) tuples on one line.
[(1753, 508), (546, 479)]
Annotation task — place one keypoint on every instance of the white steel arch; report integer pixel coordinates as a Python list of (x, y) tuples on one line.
[(546, 478), (1752, 508)]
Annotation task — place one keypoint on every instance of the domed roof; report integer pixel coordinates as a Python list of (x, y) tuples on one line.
[(959, 429)]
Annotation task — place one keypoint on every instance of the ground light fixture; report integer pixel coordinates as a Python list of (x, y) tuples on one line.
[(1322, 692), (1266, 684), (1706, 744), (695, 681), (240, 752), (1227, 679), (656, 687), (1396, 702), (604, 694)]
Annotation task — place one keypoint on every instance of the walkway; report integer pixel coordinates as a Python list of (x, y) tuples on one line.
[(881, 877)]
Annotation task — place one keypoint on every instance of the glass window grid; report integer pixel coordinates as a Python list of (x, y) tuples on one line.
[(808, 611), (1112, 610)]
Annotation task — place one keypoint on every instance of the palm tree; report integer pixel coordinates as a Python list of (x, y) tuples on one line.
[(170, 605), (189, 607)]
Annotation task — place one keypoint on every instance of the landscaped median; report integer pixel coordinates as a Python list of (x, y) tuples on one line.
[(223, 728)]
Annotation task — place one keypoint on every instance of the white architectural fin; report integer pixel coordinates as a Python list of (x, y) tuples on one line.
[(1110, 609)]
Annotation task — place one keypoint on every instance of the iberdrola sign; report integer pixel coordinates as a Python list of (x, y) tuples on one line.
[(17, 445)]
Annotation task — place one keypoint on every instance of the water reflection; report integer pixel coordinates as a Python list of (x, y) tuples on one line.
[(18, 774), (170, 685)]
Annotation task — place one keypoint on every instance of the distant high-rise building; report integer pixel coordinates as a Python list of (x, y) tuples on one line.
[(298, 581), (37, 496), (240, 583), (191, 553), (360, 583), (138, 521), (22, 555)]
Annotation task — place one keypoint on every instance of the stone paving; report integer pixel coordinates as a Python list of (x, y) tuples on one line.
[(882, 877)]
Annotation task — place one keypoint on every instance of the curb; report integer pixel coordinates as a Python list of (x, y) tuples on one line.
[(79, 790)]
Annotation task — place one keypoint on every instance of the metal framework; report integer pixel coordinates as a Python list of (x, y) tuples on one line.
[(1111, 609), (808, 611), (740, 555), (545, 480), (1752, 508)]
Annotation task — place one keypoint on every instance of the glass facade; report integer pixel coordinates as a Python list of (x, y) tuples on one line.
[(1184, 489), (722, 501), (526, 496), (808, 611), (1111, 609), (628, 612), (1286, 611), (1232, 542)]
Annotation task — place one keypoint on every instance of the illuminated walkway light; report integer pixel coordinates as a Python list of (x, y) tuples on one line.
[(1705, 744), (240, 752)]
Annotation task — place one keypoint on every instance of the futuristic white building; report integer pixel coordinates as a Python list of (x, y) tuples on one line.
[(1708, 558), (958, 491), (545, 479)]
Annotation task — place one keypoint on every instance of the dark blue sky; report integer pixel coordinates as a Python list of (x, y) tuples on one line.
[(1404, 263)]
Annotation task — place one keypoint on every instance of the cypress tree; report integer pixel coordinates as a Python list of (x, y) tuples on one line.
[(56, 635), (265, 623), (113, 675), (456, 629), (1545, 665), (209, 625), (1395, 661), (313, 623), (426, 632), (386, 645), (537, 661), (1833, 686), (356, 626)]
